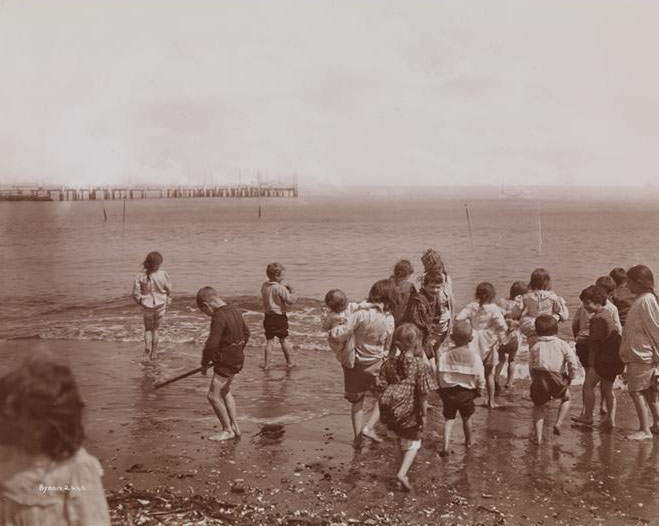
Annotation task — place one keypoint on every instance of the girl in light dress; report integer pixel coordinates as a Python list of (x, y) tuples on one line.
[(540, 299), (489, 329)]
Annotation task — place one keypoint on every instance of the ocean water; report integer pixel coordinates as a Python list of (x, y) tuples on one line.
[(67, 274)]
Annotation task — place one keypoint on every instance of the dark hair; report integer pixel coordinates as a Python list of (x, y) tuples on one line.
[(642, 276), (518, 289), (384, 291), (403, 269), (619, 275), (432, 260), (152, 262), (607, 283), (336, 300), (433, 277), (546, 325), (540, 280), (595, 294), (204, 295), (41, 408), (274, 270), (485, 293), (461, 333), (406, 335)]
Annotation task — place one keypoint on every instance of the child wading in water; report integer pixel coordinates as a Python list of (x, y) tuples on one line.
[(461, 378), (224, 352), (552, 366), (490, 330), (602, 361), (540, 300), (405, 383), (512, 311), (41, 451), (277, 298), (151, 290)]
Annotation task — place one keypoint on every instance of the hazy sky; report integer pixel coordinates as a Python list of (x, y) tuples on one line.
[(344, 92)]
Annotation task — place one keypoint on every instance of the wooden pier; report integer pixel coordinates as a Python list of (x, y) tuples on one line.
[(108, 193)]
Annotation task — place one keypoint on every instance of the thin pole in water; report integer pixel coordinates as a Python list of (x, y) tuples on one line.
[(539, 224), (105, 216), (471, 235), (124, 215), (258, 179)]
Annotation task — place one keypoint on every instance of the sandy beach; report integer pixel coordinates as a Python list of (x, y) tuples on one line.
[(160, 467)]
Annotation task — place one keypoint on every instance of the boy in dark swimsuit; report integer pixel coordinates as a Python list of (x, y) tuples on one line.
[(224, 351)]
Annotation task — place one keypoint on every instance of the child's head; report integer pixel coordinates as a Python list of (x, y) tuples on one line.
[(206, 296), (540, 280), (407, 337), (433, 281), (336, 300), (403, 270), (485, 293), (546, 325), (152, 262), (41, 408), (384, 292), (432, 260), (518, 288), (461, 332), (640, 279), (619, 275), (275, 271), (607, 283), (593, 298)]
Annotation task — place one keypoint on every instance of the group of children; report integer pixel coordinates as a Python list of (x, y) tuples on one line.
[(432, 349)]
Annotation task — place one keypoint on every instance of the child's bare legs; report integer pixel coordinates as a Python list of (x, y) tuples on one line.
[(652, 398), (489, 383), (603, 406), (448, 429), (466, 428), (644, 422), (230, 404), (406, 463), (609, 398), (266, 354), (287, 350), (219, 388), (511, 373), (589, 383), (562, 412), (368, 430), (497, 373), (538, 423), (148, 341), (357, 416), (154, 343)]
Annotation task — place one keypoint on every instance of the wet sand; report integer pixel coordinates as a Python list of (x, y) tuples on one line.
[(307, 472)]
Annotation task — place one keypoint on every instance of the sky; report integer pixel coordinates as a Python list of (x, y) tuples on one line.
[(340, 93)]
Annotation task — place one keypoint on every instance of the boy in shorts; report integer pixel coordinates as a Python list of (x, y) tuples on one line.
[(224, 352), (461, 377), (552, 366), (277, 298)]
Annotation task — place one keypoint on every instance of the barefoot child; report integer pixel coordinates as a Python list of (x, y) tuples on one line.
[(151, 290), (224, 352), (552, 366), (512, 312), (461, 378), (47, 477), (405, 382), (339, 312), (540, 299), (277, 298), (490, 330)]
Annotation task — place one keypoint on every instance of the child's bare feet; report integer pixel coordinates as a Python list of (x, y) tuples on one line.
[(443, 453), (404, 482), (236, 429), (535, 440), (290, 366), (492, 405), (224, 435), (264, 366), (370, 433), (582, 420), (557, 431), (467, 444)]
